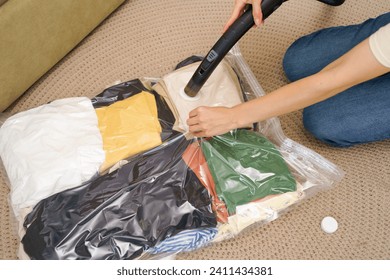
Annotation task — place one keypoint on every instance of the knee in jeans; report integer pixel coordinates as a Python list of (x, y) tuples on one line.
[(325, 130), (291, 62)]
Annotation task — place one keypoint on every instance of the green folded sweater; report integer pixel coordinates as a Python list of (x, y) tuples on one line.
[(246, 167)]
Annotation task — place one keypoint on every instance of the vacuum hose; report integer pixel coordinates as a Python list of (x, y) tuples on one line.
[(333, 2), (229, 39)]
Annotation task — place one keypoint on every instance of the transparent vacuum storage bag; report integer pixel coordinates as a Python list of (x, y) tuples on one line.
[(155, 190)]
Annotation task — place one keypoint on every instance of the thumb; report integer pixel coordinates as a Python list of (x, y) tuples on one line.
[(237, 11)]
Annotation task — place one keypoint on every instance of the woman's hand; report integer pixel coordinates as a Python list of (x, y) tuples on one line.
[(239, 6), (210, 121)]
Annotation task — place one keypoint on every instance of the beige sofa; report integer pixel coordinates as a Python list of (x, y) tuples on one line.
[(147, 38)]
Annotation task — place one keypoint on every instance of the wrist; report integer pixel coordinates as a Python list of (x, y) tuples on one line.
[(236, 117), (244, 115)]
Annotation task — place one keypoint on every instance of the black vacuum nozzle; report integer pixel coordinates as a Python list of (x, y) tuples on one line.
[(229, 39), (225, 43)]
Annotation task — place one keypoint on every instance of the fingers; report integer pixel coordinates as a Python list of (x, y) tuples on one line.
[(194, 123), (237, 11), (195, 129), (199, 131), (257, 13), (198, 134), (194, 112), (193, 119)]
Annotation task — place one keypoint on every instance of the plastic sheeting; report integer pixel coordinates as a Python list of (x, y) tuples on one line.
[(49, 149), (177, 189), (194, 158), (246, 167), (131, 88), (121, 214), (128, 127), (221, 89), (185, 241)]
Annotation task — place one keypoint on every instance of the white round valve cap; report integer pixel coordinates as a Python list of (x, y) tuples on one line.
[(329, 224)]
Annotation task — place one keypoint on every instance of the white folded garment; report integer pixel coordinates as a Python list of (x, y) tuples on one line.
[(50, 148)]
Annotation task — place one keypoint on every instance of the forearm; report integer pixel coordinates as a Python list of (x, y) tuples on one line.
[(355, 67), (284, 100)]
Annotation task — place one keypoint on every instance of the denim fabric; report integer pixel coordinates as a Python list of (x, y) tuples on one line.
[(359, 114)]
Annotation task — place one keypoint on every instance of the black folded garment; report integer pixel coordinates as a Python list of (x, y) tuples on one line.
[(121, 214)]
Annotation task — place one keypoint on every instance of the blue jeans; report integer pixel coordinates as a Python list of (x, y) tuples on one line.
[(359, 114)]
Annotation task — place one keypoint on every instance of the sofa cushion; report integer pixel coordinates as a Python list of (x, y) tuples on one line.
[(2, 2), (37, 34)]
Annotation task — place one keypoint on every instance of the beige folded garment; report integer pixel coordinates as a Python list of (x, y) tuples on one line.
[(221, 89), (262, 211)]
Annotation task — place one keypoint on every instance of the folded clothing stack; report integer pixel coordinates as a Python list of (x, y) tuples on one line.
[(111, 178)]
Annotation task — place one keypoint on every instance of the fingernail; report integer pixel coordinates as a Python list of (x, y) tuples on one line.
[(257, 22)]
